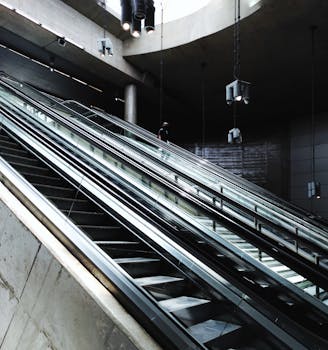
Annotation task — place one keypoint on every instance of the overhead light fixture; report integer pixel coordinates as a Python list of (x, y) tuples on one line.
[(126, 14), (136, 28), (133, 12), (234, 136), (105, 46), (150, 17), (118, 99), (139, 9), (238, 91), (314, 189), (61, 41)]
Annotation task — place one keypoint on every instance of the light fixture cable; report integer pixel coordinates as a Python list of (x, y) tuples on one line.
[(236, 43), (313, 29), (236, 59), (161, 102), (203, 66)]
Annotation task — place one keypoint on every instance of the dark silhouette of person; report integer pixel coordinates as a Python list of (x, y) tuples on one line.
[(163, 132)]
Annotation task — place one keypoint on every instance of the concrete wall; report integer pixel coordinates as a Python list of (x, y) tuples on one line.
[(301, 163), (49, 302)]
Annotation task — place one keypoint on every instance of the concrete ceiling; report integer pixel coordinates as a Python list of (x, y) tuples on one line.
[(275, 58)]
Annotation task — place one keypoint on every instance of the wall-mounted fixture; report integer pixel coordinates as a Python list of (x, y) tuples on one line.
[(314, 189), (61, 41), (105, 46)]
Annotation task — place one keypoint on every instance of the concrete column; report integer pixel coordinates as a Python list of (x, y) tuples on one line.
[(130, 96)]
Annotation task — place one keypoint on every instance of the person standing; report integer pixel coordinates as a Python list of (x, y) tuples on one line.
[(163, 132)]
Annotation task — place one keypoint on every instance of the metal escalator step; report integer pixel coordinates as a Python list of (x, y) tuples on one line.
[(251, 251), (296, 279), (42, 179), (19, 159), (304, 284), (136, 260), (115, 243), (70, 203), (311, 290), (280, 268), (25, 167), (10, 144), (86, 217), (100, 227), (233, 238), (14, 151), (148, 281), (266, 259), (212, 329), (180, 303), (50, 190), (246, 246)]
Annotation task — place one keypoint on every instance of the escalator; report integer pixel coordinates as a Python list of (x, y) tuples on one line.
[(220, 259), (309, 278), (179, 308)]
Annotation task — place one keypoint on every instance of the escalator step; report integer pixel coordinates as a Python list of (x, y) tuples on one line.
[(212, 329), (182, 302), (296, 279), (12, 151), (42, 179), (10, 144), (280, 268), (40, 170), (19, 159), (153, 280), (136, 260), (101, 243)]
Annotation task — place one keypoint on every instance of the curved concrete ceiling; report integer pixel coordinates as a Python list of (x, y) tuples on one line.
[(212, 18)]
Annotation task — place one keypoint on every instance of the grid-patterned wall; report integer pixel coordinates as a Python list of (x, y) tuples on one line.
[(262, 163)]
